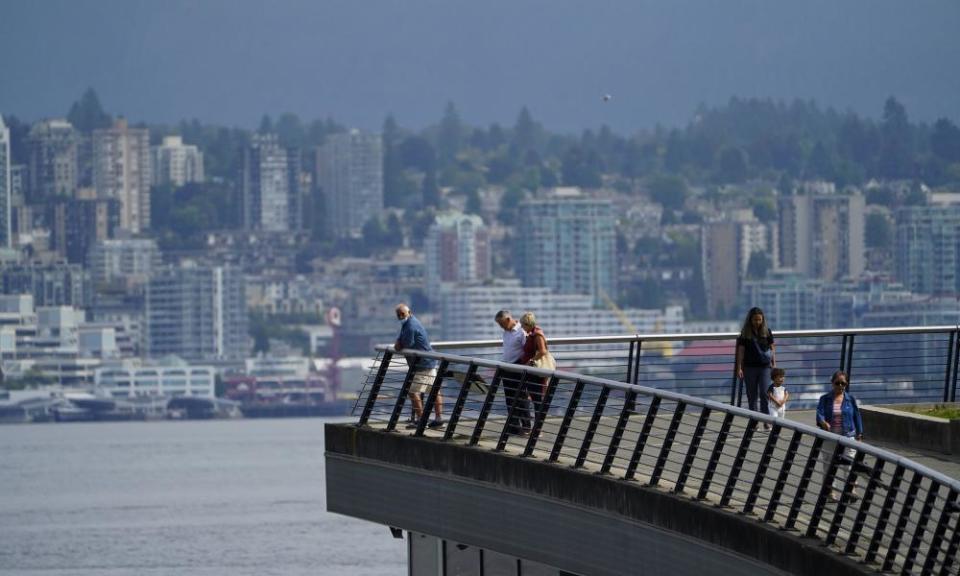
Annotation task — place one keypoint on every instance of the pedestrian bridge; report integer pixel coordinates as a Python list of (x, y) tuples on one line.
[(641, 461)]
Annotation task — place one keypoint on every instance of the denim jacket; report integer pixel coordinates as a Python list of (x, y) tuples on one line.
[(850, 412)]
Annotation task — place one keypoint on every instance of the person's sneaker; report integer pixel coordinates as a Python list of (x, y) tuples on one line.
[(436, 423), (412, 425)]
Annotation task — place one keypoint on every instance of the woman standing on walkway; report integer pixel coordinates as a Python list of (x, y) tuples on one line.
[(535, 353), (838, 412), (756, 355)]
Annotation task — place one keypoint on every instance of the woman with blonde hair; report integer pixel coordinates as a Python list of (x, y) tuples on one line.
[(535, 353)]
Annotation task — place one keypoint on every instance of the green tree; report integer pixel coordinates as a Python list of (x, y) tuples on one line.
[(450, 137), (290, 131), (509, 203), (669, 191), (86, 114), (732, 165), (878, 231), (581, 167)]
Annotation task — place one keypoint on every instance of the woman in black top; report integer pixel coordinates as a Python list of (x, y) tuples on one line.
[(755, 357)]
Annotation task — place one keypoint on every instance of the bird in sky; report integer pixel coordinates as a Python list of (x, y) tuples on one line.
[(607, 97)]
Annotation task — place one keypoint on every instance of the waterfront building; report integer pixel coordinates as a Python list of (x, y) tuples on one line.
[(170, 377), (52, 149), (196, 312), (822, 234), (928, 249), (175, 163), (121, 170), (467, 313), (6, 188), (566, 241), (350, 174), (456, 251), (270, 186)]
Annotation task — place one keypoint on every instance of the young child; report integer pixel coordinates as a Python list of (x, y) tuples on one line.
[(777, 393)]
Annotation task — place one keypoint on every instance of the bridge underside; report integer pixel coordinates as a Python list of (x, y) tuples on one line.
[(575, 520)]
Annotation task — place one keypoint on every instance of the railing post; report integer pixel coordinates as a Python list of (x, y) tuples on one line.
[(849, 363), (921, 527), (783, 476), (431, 398), (762, 468), (738, 462), (667, 443), (715, 454), (642, 439), (801, 492), (885, 511), (592, 427), (541, 414), (629, 405), (630, 364), (567, 419), (939, 533), (953, 505), (692, 450), (735, 382), (485, 409), (956, 368), (401, 397), (905, 512), (461, 401), (946, 377), (636, 361), (843, 353), (375, 387), (858, 523)]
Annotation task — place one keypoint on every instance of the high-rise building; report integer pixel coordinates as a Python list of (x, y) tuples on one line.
[(196, 312), (76, 224), (270, 185), (176, 163), (566, 241), (6, 187), (727, 246), (928, 249), (52, 146), (350, 174), (121, 170), (456, 250), (822, 235)]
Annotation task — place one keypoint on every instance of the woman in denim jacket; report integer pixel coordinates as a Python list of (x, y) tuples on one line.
[(838, 412)]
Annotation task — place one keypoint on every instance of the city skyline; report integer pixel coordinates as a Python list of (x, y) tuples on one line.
[(358, 63)]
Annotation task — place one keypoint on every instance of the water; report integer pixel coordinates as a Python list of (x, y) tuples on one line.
[(211, 498)]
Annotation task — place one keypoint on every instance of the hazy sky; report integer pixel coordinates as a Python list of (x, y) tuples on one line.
[(229, 61)]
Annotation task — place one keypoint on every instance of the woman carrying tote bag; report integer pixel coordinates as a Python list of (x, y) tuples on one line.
[(536, 353)]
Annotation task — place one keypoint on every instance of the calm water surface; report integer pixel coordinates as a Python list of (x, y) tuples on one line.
[(213, 498)]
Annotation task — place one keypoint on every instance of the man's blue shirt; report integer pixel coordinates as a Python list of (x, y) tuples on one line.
[(414, 336)]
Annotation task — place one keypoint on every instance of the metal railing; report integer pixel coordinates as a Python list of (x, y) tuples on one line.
[(895, 365), (893, 514)]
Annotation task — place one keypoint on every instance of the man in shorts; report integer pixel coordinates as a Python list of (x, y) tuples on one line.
[(414, 336)]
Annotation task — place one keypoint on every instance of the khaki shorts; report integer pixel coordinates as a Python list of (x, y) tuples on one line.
[(422, 381)]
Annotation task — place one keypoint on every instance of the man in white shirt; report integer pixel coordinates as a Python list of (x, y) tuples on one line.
[(513, 340)]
